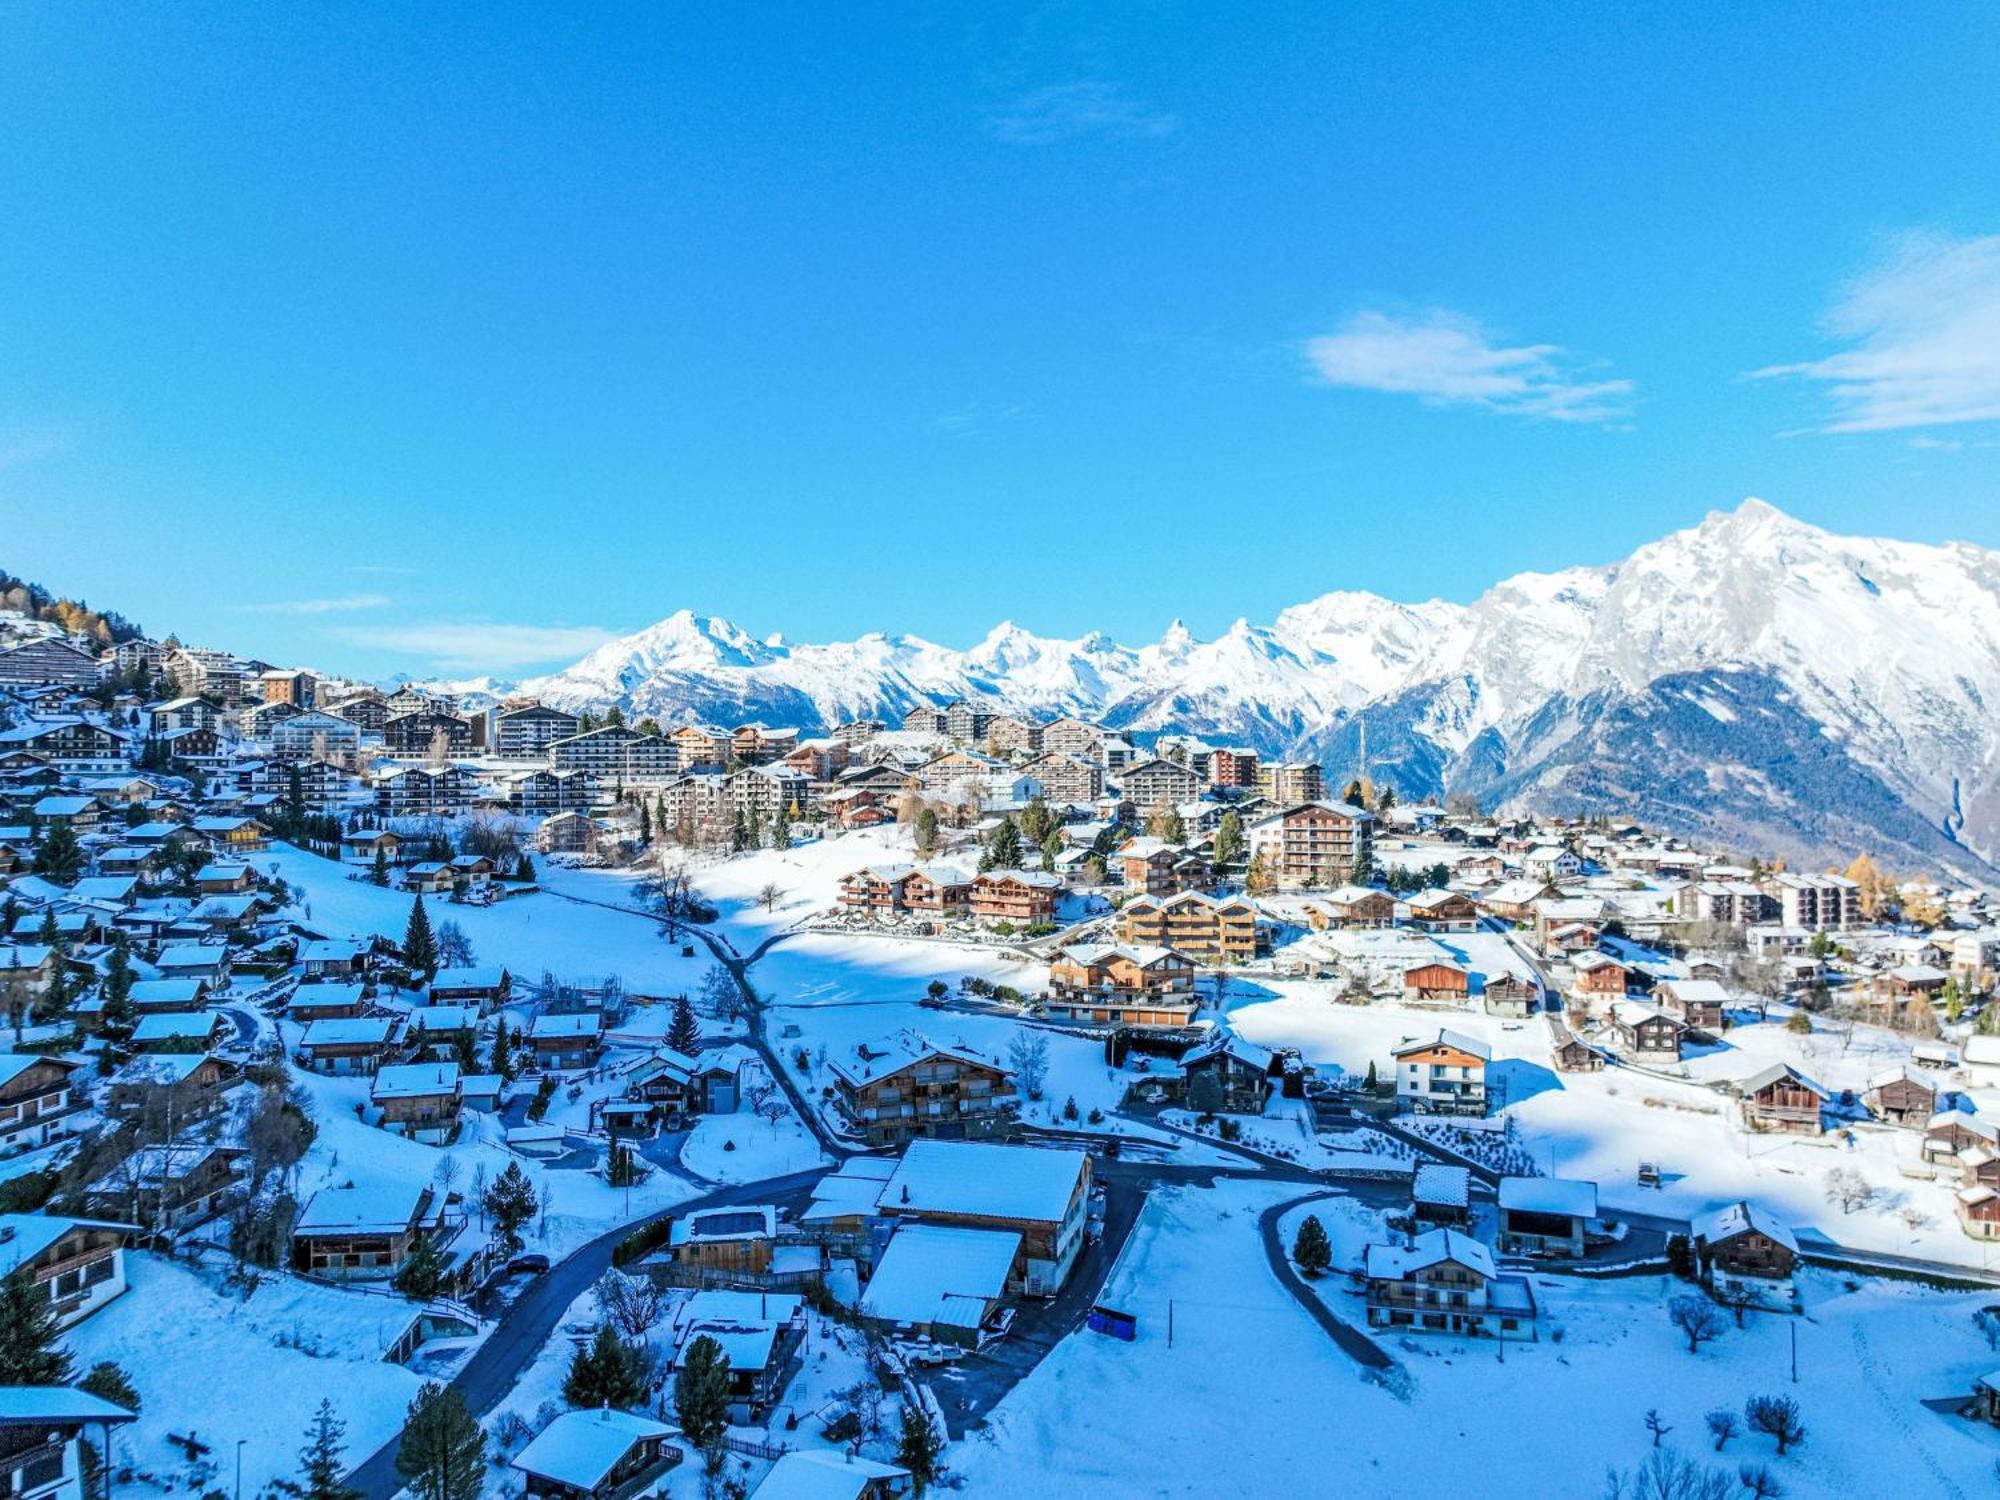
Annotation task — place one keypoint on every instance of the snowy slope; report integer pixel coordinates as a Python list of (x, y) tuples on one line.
[(1886, 653)]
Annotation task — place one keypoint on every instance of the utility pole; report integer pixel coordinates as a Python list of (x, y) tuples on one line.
[(239, 1467), (1170, 1324), (1795, 1352)]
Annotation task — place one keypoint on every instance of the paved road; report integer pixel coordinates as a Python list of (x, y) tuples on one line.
[(1363, 1350), (494, 1367)]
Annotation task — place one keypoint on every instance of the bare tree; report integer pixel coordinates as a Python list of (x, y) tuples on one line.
[(1028, 1056), (1667, 1474), (770, 895), (633, 1303), (1759, 1482), (1848, 1189), (1722, 1426), (1987, 1321), (1656, 1424), (1777, 1417), (1698, 1319)]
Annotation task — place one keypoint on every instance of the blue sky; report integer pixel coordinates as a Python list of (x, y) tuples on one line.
[(390, 338)]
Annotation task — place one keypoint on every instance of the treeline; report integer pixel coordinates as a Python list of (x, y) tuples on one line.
[(105, 627)]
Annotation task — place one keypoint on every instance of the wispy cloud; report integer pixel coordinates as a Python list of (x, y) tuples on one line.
[(1924, 330), (1444, 358), (346, 604), (1069, 111), (383, 568), (473, 645), (978, 418)]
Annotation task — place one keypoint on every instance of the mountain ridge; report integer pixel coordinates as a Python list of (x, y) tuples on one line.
[(1546, 686)]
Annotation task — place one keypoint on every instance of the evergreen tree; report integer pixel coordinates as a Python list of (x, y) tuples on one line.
[(118, 1018), (29, 1353), (59, 858), (320, 1465), (918, 1447), (609, 1372), (1037, 822), (1229, 838), (781, 832), (1312, 1250), (701, 1392), (511, 1201), (645, 823), (1003, 847), (503, 1052), (925, 831), (443, 1452), (684, 1032), (1051, 847), (419, 943), (109, 1382), (423, 1273), (378, 873)]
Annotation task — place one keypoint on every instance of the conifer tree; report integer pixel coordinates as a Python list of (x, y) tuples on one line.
[(608, 1372), (29, 1351), (918, 1447), (423, 1273), (1311, 1249), (511, 1201), (701, 1392), (118, 1018), (59, 858), (320, 1465), (684, 1032), (419, 943), (378, 873), (443, 1452)]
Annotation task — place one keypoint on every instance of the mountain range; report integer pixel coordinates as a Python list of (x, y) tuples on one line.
[(1753, 681)]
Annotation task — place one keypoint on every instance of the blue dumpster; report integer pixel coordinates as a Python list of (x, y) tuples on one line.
[(1120, 1325)]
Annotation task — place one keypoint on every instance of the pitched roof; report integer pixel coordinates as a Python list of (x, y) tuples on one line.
[(978, 1177), (581, 1448)]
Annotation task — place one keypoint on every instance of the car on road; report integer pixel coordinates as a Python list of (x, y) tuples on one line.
[(533, 1264)]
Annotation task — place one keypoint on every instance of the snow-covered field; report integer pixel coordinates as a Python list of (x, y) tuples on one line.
[(1251, 1399)]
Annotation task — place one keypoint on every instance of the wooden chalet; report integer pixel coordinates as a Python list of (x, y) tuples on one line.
[(1780, 1098)]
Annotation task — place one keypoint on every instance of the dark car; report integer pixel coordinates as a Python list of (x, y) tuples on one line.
[(528, 1265)]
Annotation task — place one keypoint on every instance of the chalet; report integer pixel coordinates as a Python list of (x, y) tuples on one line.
[(597, 1454), (1573, 1054), (909, 1087), (1903, 1096), (1219, 930), (65, 811), (363, 845), (1437, 982), (433, 1026), (566, 833), (1701, 1004), (1226, 1074), (180, 1031), (365, 1230), (1441, 1194), (326, 1002), (224, 877), (1444, 1281), (1444, 1074), (1158, 868), (759, 1334), (1600, 975), (1040, 1194), (47, 1436), (1514, 900), (1352, 907), (170, 1187), (233, 834), (333, 958), (352, 1045), (208, 962), (419, 1100), (31, 966), (1551, 862), (73, 745), (1511, 994), (79, 1262), (571, 1041), (941, 1281), (174, 1087), (674, 1086), (1106, 984), (1545, 1215), (430, 877), (39, 1101), (1644, 1033), (1439, 911), (1978, 1208), (1743, 1240), (1021, 897), (1781, 1098), (737, 1238), (816, 1474)]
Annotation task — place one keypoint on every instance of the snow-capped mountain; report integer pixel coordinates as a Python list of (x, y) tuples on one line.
[(1754, 679)]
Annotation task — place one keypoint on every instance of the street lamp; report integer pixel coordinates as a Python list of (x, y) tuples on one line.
[(239, 1467)]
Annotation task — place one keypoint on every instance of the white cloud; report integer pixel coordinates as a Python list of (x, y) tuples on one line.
[(472, 645), (1447, 359), (1924, 330), (343, 605), (1070, 110)]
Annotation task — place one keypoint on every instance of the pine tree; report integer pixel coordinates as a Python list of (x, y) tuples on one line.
[(118, 1017), (1312, 1250), (320, 1466), (1229, 838), (1353, 796), (443, 1452), (503, 1052), (511, 1201), (378, 874), (781, 832), (59, 859), (607, 1373), (423, 1273), (1003, 847), (925, 831), (701, 1392), (684, 1032), (29, 1353), (419, 944), (918, 1447), (109, 1382)]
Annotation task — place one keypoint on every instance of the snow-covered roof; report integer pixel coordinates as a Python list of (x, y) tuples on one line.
[(1732, 1219), (196, 1025), (1433, 1247), (981, 1178), (326, 997), (350, 1031), (745, 1221), (1764, 1077), (579, 1449), (854, 1188), (1446, 1037), (24, 1236), (380, 1205), (1434, 1182), (582, 1024), (21, 1405), (473, 977), (819, 1475), (931, 1271), (415, 1080), (329, 951), (1549, 1195), (892, 1054)]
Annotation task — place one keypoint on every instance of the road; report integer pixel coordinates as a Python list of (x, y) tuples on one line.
[(524, 1328), (1363, 1350)]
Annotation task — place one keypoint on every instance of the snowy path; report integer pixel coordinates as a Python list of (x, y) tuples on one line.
[(1363, 1350)]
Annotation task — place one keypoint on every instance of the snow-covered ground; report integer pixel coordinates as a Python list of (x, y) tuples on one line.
[(1251, 1399)]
